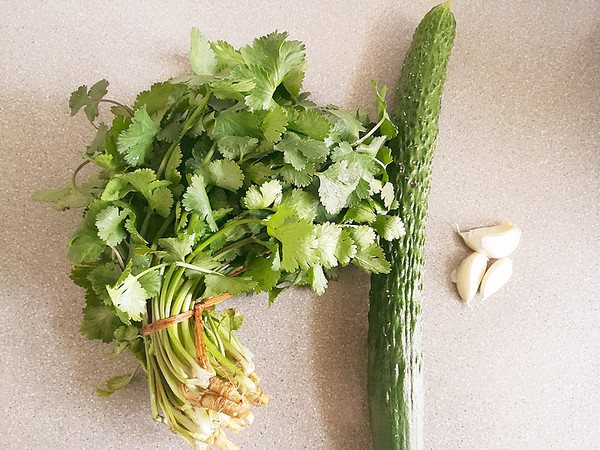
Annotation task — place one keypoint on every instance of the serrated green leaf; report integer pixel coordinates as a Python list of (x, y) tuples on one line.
[(274, 124), (114, 384), (86, 245), (159, 99), (336, 185), (261, 270), (264, 196), (297, 238), (236, 147), (387, 194), (196, 200), (303, 203), (269, 61), (218, 284), (387, 127), (317, 279), (389, 227), (70, 196), (106, 274), (299, 152), (129, 297), (309, 123), (202, 58), (333, 244), (97, 144), (371, 259), (177, 248), (224, 173), (135, 142), (227, 56), (109, 222), (299, 178), (99, 322), (363, 236)]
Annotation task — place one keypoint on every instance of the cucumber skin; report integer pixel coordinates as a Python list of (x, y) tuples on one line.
[(395, 376)]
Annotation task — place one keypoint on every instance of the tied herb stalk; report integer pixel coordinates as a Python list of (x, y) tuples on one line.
[(230, 181)]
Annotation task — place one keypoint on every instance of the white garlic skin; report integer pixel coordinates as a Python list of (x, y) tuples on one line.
[(494, 242), (469, 275), (496, 276)]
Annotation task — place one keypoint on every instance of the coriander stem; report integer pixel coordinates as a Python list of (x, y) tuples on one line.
[(146, 221), (196, 268), (150, 269), (81, 166), (219, 233), (127, 108), (186, 127), (370, 133), (119, 257)]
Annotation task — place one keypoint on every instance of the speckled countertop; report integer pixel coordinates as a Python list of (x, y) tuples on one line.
[(519, 140)]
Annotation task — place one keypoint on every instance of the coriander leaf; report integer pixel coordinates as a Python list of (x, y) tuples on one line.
[(97, 144), (297, 238), (82, 98), (235, 147), (196, 200), (70, 195), (151, 282), (109, 222), (389, 227), (224, 173), (104, 275), (177, 248), (346, 127), (264, 196), (156, 192), (300, 178), (218, 284), (135, 142), (387, 194), (236, 123), (365, 163), (127, 333), (99, 322), (202, 58), (387, 127), (114, 384), (363, 236), (274, 124), (303, 203), (227, 56), (310, 123), (95, 94), (230, 320), (333, 244), (371, 259), (171, 173), (129, 297), (317, 279), (257, 173), (336, 185), (298, 152), (78, 99), (159, 99), (268, 61), (119, 348), (360, 213), (86, 245), (261, 270), (231, 89)]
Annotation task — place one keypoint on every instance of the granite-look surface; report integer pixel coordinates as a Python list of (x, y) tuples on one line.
[(519, 140)]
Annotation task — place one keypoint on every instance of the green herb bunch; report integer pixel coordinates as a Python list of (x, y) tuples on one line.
[(230, 171)]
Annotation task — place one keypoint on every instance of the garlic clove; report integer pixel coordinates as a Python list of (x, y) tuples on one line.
[(469, 275), (496, 277), (494, 242)]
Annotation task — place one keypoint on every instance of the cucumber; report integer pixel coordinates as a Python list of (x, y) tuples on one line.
[(395, 366)]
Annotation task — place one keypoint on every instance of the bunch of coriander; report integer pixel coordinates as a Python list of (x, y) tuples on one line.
[(226, 181)]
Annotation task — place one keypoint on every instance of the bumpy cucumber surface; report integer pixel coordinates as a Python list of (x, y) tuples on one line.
[(395, 375)]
